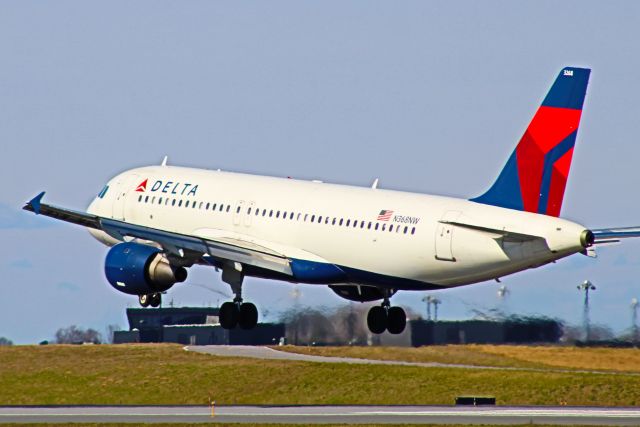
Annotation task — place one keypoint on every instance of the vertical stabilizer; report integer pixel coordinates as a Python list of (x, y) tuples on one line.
[(535, 176)]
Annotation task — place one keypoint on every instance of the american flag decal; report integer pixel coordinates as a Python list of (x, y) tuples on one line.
[(385, 215)]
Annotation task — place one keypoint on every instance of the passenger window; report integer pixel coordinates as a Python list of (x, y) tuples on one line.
[(391, 227), (193, 205), (361, 224), (291, 215), (313, 218), (180, 203), (355, 223), (384, 226), (238, 209), (305, 217), (270, 213), (207, 206), (186, 204), (249, 211), (340, 221), (213, 208), (140, 198), (221, 207), (413, 230), (348, 222), (319, 219), (201, 203), (298, 218), (369, 226), (160, 200), (146, 199), (228, 207), (377, 224), (284, 215), (278, 214), (326, 220), (173, 202), (333, 222)]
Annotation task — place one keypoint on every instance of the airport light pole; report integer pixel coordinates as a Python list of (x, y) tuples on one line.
[(428, 300), (435, 302), (503, 292), (586, 286)]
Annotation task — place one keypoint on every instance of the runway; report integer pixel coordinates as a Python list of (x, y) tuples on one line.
[(323, 415)]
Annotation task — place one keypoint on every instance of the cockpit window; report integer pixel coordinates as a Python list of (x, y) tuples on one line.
[(103, 192)]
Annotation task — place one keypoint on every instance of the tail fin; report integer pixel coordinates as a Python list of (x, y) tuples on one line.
[(535, 175)]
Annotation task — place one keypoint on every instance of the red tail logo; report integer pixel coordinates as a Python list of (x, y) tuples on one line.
[(142, 187)]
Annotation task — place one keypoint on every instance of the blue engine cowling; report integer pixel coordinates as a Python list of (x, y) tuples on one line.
[(137, 269)]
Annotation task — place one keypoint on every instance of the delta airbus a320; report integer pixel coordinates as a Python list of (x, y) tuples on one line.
[(364, 243)]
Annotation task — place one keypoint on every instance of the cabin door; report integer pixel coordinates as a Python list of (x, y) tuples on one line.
[(444, 236)]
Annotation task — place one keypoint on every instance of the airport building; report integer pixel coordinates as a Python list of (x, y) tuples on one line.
[(192, 326), (508, 331)]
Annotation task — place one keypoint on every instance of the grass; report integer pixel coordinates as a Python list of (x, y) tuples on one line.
[(597, 359), (276, 425), (166, 374)]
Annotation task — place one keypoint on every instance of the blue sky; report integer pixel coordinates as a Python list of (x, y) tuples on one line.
[(427, 96)]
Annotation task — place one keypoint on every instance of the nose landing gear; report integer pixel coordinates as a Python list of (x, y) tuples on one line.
[(153, 300), (384, 317)]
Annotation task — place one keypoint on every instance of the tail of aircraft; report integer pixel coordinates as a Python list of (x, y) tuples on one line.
[(535, 176)]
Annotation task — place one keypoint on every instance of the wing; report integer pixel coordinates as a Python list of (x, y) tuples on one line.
[(178, 244), (612, 235)]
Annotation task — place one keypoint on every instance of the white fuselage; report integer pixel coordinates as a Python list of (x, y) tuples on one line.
[(426, 242)]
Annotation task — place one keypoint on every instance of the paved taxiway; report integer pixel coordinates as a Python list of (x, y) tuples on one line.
[(323, 414), (256, 352)]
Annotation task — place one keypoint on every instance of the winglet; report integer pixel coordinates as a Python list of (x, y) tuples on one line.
[(35, 203)]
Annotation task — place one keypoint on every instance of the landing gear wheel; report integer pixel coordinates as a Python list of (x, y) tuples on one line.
[(229, 315), (396, 320), (377, 319), (144, 300), (155, 300), (248, 316)]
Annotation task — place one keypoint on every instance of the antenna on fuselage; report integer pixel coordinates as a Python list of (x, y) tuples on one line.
[(164, 161), (375, 184)]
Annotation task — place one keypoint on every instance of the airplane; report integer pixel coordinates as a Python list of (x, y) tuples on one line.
[(364, 243)]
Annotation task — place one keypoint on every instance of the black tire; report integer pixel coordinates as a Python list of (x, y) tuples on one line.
[(377, 320), (144, 300), (155, 300), (396, 320), (248, 316), (229, 315)]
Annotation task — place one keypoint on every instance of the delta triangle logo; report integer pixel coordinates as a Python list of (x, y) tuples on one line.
[(143, 186)]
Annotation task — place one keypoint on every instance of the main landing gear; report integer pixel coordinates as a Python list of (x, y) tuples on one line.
[(153, 300), (236, 313), (384, 317)]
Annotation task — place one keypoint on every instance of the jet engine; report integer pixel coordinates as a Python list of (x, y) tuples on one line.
[(137, 269)]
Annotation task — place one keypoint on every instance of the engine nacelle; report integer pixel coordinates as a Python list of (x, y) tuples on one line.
[(360, 293), (138, 269)]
